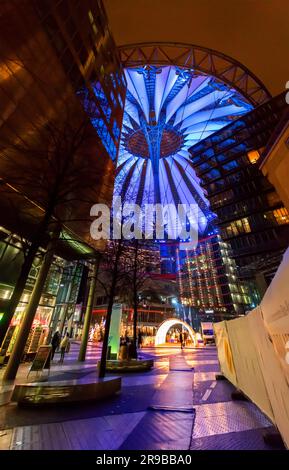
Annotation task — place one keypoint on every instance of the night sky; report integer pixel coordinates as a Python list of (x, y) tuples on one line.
[(254, 32)]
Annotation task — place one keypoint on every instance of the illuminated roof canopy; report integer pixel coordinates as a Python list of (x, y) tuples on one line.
[(167, 111)]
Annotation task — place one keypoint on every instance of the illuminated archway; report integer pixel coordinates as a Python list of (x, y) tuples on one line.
[(167, 324)]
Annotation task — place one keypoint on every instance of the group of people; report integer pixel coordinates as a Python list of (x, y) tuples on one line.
[(127, 346), (62, 344), (178, 337), (125, 340)]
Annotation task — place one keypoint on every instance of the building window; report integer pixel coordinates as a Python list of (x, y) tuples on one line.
[(92, 22), (281, 216), (253, 156), (238, 226)]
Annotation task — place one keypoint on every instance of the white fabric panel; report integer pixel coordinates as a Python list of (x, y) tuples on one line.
[(195, 106), (184, 153), (189, 143), (136, 86), (224, 352), (127, 121), (165, 190), (204, 116), (121, 176), (188, 169), (275, 308), (124, 156), (172, 78), (131, 109), (252, 364), (184, 94), (273, 373), (197, 136), (161, 80), (186, 196), (148, 196), (133, 187), (192, 175), (248, 369), (210, 126)]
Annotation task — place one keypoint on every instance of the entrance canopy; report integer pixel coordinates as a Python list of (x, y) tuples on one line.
[(167, 324)]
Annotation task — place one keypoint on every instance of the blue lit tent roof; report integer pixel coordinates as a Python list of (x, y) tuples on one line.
[(167, 111)]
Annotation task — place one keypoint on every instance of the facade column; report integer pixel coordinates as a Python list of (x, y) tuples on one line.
[(26, 323), (64, 308), (88, 311)]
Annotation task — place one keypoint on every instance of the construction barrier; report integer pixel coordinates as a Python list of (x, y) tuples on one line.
[(275, 380), (275, 310), (224, 352), (253, 351), (248, 370)]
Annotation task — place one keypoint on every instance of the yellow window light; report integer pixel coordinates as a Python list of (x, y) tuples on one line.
[(253, 156)]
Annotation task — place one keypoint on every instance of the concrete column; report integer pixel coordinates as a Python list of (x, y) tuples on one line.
[(88, 311), (26, 323)]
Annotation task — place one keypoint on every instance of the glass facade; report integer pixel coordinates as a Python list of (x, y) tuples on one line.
[(81, 38), (250, 214), (62, 57), (208, 282), (11, 257)]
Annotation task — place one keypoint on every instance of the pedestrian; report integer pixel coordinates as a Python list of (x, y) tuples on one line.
[(139, 339), (64, 347), (55, 343), (132, 353), (182, 340), (126, 339), (185, 338), (123, 350)]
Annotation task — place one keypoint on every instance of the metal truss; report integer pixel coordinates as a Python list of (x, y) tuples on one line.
[(199, 59)]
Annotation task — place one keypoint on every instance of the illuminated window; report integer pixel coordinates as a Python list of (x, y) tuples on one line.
[(92, 22), (246, 225), (238, 226), (281, 216), (253, 156)]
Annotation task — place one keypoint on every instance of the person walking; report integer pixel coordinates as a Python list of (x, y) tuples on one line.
[(55, 343), (64, 347), (139, 339), (123, 350), (182, 340)]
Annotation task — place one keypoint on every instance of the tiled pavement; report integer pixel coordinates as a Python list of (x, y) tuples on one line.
[(177, 405)]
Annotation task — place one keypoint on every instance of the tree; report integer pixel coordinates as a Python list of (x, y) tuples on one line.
[(55, 168), (125, 272), (114, 271), (138, 276)]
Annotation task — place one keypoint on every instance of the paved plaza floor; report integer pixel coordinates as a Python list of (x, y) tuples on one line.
[(178, 405)]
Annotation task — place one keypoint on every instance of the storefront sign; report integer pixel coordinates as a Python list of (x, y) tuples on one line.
[(42, 359)]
